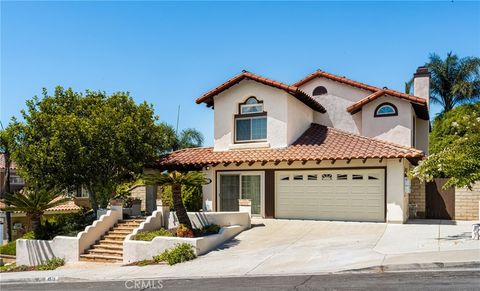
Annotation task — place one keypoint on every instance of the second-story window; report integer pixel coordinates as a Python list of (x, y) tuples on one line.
[(386, 109), (16, 180), (251, 122)]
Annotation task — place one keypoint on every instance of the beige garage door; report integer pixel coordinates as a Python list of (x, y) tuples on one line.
[(356, 195)]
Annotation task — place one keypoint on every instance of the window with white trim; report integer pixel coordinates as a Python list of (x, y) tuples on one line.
[(386, 109), (251, 123)]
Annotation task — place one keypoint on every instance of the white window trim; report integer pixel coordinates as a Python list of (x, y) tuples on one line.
[(250, 140), (378, 113), (244, 173), (251, 105)]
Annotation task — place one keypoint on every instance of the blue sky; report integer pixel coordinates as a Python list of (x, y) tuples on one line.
[(169, 53)]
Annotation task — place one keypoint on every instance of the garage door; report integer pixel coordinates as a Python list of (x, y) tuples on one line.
[(356, 195)]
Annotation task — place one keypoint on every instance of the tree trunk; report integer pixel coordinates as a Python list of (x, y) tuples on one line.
[(8, 164), (179, 207), (35, 220), (93, 199)]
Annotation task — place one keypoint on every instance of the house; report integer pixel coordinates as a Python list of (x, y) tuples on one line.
[(326, 147)]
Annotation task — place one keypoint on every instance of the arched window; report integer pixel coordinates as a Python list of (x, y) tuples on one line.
[(251, 122), (386, 109), (251, 105), (320, 90)]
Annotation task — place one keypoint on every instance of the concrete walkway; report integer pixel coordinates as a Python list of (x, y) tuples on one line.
[(281, 247)]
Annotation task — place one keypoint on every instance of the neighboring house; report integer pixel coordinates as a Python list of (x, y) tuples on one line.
[(326, 147), (16, 182)]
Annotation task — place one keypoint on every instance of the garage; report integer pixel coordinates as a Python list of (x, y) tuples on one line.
[(356, 194)]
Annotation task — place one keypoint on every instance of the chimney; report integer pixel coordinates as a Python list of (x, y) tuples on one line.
[(421, 83)]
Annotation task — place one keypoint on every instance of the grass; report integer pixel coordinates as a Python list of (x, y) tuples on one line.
[(9, 249), (150, 235)]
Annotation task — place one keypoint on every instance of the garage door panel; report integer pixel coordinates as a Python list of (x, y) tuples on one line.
[(331, 195)]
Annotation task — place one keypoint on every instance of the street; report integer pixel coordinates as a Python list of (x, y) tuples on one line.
[(438, 280)]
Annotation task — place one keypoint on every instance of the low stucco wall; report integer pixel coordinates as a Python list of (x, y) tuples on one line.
[(134, 251), (35, 252), (200, 219)]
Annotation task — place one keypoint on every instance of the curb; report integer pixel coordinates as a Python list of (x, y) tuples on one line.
[(416, 267)]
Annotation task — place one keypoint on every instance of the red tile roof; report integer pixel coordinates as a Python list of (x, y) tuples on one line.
[(300, 95), (317, 143), (420, 103), (66, 206)]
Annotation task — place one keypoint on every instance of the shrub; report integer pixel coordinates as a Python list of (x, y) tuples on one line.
[(183, 231), (211, 229), (51, 264), (192, 197), (69, 224), (180, 253), (150, 235), (8, 249)]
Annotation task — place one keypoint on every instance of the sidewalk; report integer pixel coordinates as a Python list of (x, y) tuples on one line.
[(282, 247)]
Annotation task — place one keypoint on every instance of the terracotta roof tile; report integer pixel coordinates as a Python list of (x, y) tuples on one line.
[(294, 91), (316, 144), (67, 206)]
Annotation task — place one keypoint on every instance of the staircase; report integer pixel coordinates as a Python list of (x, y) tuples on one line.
[(109, 249)]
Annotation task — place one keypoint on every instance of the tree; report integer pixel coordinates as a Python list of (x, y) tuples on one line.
[(176, 180), (69, 140), (454, 80), (454, 148), (5, 140), (187, 138), (34, 202)]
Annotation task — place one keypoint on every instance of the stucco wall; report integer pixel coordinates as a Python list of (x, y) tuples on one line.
[(397, 200), (422, 132), (467, 203), (336, 101), (226, 106), (396, 129), (299, 119)]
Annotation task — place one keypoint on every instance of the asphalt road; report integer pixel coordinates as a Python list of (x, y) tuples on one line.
[(439, 280)]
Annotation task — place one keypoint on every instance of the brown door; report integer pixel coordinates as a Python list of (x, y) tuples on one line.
[(440, 203)]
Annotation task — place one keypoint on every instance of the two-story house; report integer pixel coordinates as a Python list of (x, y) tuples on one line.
[(326, 147)]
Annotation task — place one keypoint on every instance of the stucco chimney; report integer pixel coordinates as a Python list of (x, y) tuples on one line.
[(421, 83)]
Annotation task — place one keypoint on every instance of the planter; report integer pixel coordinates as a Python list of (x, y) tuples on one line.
[(135, 210)]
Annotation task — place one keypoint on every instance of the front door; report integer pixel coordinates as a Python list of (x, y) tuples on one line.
[(234, 186)]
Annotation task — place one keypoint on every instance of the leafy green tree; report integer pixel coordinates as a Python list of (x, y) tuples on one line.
[(454, 80), (71, 139), (454, 148), (6, 137), (176, 180), (187, 138), (34, 202)]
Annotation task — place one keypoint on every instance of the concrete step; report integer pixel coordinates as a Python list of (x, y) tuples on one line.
[(108, 246), (111, 242), (105, 252), (120, 232), (101, 258), (125, 227), (114, 236)]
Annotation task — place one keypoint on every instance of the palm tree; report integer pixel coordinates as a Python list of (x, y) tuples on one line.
[(34, 203), (454, 80), (172, 140), (176, 180)]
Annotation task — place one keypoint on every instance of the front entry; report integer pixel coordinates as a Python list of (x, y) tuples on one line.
[(238, 185)]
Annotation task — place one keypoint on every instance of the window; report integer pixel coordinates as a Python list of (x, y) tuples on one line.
[(372, 177), (312, 177), (16, 180), (249, 129), (285, 178), (342, 176), (298, 177), (386, 109), (357, 177), (251, 105), (320, 90), (326, 177), (251, 123)]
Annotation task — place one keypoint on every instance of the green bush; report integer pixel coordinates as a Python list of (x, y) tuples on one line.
[(51, 264), (150, 235), (180, 253), (211, 229), (9, 249), (69, 224), (192, 197)]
